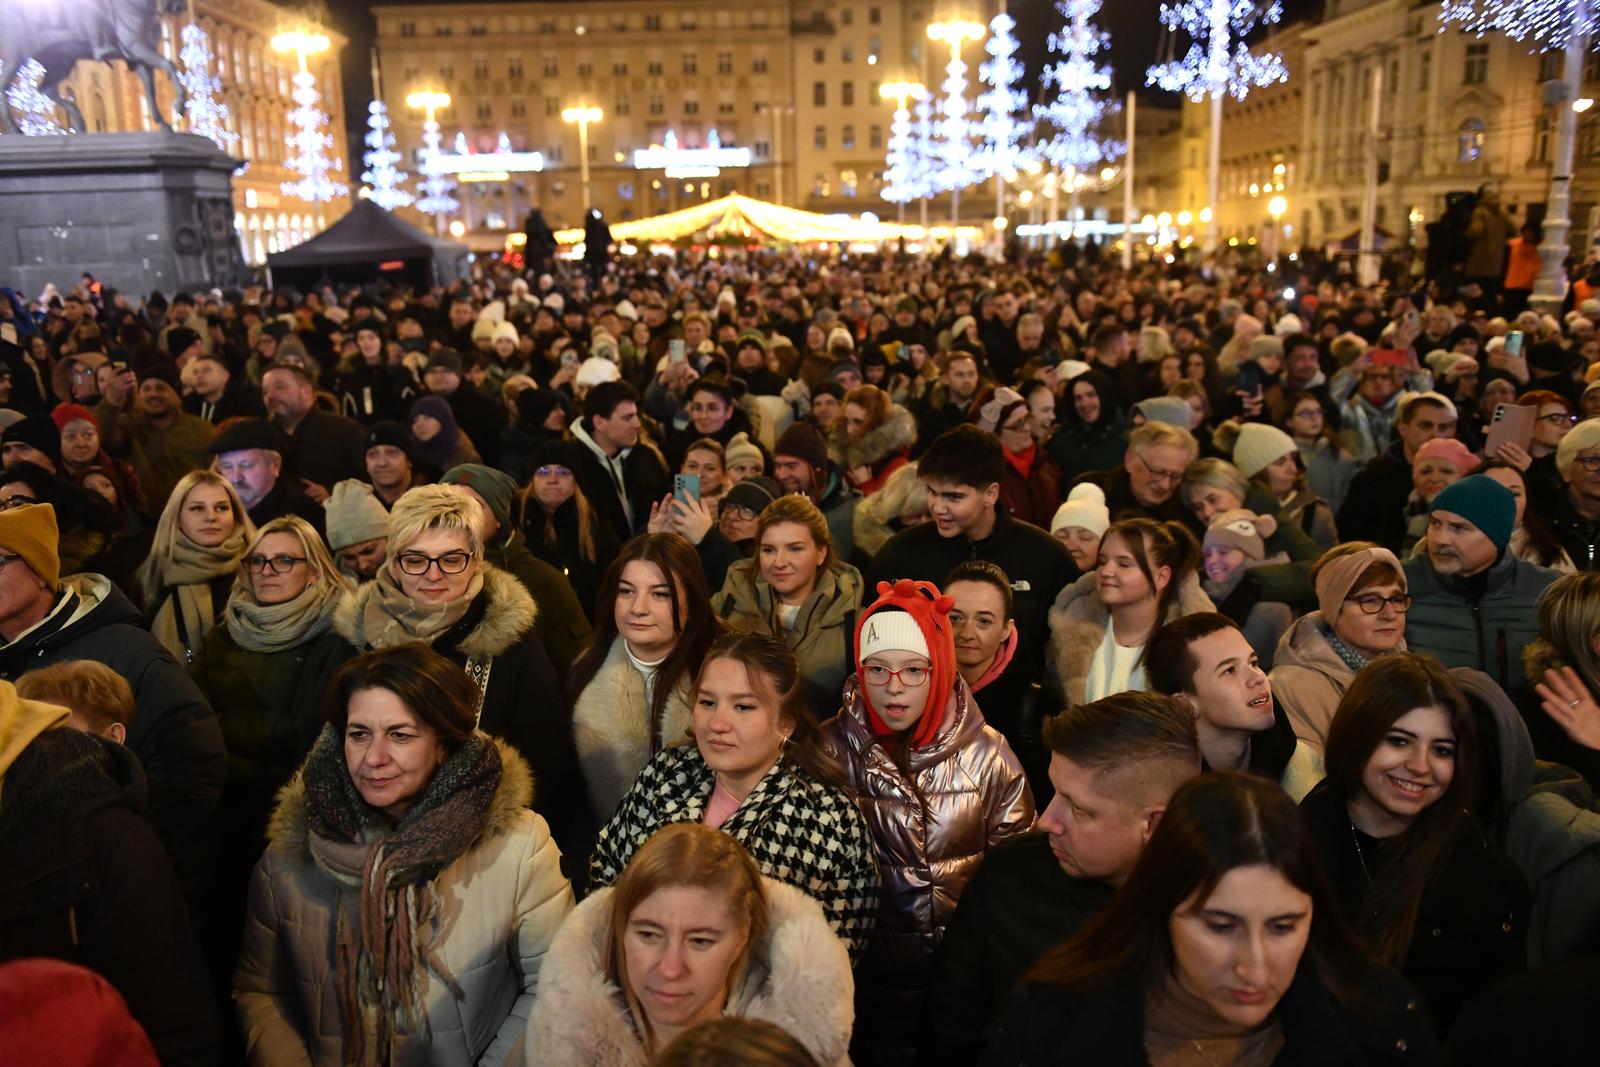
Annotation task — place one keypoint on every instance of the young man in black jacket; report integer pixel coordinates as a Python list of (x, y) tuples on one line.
[(1115, 764)]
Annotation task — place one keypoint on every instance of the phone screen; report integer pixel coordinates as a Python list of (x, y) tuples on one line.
[(675, 351), (1514, 343)]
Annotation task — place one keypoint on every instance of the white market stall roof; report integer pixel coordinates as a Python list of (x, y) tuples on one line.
[(746, 217)]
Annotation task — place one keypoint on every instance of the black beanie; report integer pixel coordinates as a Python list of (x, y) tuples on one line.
[(36, 431)]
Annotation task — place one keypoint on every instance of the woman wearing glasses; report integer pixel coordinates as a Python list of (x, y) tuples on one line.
[(1554, 421), (435, 587), (939, 788), (560, 525), (1030, 486), (185, 581), (1361, 615)]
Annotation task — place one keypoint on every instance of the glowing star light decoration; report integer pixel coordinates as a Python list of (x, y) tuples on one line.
[(384, 180), (207, 114), (1077, 108), (1549, 24), (957, 167), (36, 112), (1218, 60), (1002, 101)]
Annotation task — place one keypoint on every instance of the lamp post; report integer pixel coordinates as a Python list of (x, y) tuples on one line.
[(957, 145), (1277, 208), (308, 143), (436, 199), (583, 116)]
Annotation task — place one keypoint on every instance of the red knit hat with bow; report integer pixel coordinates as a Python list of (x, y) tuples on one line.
[(930, 610)]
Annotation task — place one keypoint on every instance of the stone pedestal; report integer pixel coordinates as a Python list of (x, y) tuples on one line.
[(139, 211)]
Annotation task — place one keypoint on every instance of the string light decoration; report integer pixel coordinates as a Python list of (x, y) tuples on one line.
[(208, 115), (903, 173), (436, 188), (956, 167), (923, 153), (384, 181), (1002, 101), (1077, 108), (1218, 60), (1549, 24), (309, 145), (36, 112)]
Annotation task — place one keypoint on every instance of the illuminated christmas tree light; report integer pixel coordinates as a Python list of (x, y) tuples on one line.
[(384, 180), (1218, 60), (1077, 108), (1003, 101), (36, 112), (207, 114), (309, 145)]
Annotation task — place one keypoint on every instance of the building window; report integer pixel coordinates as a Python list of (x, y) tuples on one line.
[(653, 68), (759, 66), (847, 138), (552, 107), (477, 29), (519, 108), (514, 68), (819, 137), (409, 75), (652, 22), (485, 110), (585, 70), (1476, 71), (1469, 139), (622, 105), (847, 17), (553, 153), (480, 69), (761, 149), (691, 107), (1550, 66), (550, 67), (724, 62), (847, 54), (447, 72), (408, 29), (547, 25), (875, 136), (1542, 132), (875, 16), (688, 21), (691, 65), (624, 190), (847, 182), (847, 94), (819, 94), (441, 31), (725, 107), (620, 70), (819, 55), (656, 106)]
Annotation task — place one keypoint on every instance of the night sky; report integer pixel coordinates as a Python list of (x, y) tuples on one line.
[(1136, 38)]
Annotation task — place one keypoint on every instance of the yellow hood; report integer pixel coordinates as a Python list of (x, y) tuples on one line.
[(21, 721)]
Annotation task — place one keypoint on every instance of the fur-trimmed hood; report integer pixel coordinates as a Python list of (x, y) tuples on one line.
[(507, 614), (893, 436), (1078, 624), (287, 832), (799, 979)]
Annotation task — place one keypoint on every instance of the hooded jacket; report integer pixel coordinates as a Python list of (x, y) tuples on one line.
[(174, 731), (884, 448), (1309, 678), (637, 474), (85, 878), (611, 727), (798, 979), (500, 903), (1078, 624), (523, 700), (1482, 622), (824, 632), (973, 795)]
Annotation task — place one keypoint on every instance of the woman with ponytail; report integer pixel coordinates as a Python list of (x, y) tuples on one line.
[(1148, 575), (939, 788)]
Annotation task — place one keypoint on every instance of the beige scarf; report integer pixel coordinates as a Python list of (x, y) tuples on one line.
[(274, 627), (391, 618), (186, 575)]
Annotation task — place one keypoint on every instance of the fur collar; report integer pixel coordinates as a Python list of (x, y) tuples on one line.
[(1078, 624), (895, 434), (507, 616), (286, 831), (611, 726), (799, 979)]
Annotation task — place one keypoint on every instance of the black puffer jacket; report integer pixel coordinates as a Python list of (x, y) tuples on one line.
[(86, 880)]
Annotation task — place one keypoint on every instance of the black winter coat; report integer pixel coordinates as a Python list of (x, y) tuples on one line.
[(1122, 504), (1051, 1026), (85, 880), (1017, 907), (562, 622), (1375, 507), (1472, 928), (174, 732), (326, 449), (564, 555), (480, 418), (375, 394), (235, 402), (644, 479)]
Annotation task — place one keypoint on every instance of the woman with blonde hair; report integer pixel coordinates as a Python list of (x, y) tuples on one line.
[(691, 932), (902, 502), (435, 587), (795, 589), (184, 582)]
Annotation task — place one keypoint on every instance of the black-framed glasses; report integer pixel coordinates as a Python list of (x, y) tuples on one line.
[(1559, 418), (1590, 463), (1372, 603), (417, 564), (1018, 426), (553, 472), (911, 677), (1156, 473), (281, 564)]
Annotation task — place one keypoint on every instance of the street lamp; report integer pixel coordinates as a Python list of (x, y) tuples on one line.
[(583, 116), (957, 148), (436, 199), (302, 44), (1277, 208), (308, 156)]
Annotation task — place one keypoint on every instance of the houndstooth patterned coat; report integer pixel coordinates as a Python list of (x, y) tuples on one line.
[(798, 830)]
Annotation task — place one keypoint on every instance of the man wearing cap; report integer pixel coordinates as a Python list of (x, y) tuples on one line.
[(560, 622), (45, 619), (390, 466), (35, 440), (750, 367), (1572, 510), (1369, 392), (800, 464), (479, 417), (142, 420), (216, 398), (1474, 604), (183, 314), (249, 456), (319, 447), (1374, 507), (358, 529)]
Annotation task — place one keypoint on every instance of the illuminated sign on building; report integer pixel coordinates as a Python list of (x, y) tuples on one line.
[(679, 162)]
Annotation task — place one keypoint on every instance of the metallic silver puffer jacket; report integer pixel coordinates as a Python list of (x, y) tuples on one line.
[(974, 795)]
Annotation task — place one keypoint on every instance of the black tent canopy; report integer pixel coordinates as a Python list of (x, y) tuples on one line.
[(367, 245)]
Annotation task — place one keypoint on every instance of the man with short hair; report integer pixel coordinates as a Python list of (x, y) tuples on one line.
[(247, 455), (621, 473), (154, 434), (1153, 466), (389, 464), (358, 529), (944, 405), (479, 417), (45, 620), (460, 316), (1302, 367), (800, 464), (319, 447), (215, 398), (1572, 510), (1374, 509), (1205, 664), (962, 472), (1114, 764), (1110, 351), (713, 412), (1474, 604), (998, 332)]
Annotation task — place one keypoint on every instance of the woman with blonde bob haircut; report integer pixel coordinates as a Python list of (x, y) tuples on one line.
[(794, 588), (435, 587), (199, 539), (690, 932)]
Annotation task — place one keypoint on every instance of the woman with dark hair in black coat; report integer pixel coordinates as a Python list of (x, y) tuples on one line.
[(560, 525), (1093, 435)]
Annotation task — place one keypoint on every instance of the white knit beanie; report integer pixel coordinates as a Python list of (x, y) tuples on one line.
[(354, 515), (1259, 446), (893, 631), (507, 331), (839, 335), (1085, 507)]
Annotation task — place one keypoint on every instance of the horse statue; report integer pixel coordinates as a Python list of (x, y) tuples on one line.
[(57, 36)]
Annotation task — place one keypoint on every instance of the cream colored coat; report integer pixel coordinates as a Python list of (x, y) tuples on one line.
[(611, 728), (1309, 680), (1078, 624), (799, 979), (501, 903)]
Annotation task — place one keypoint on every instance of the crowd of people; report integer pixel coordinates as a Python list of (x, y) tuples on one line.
[(769, 659)]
